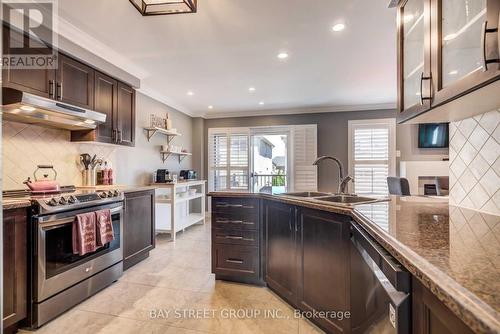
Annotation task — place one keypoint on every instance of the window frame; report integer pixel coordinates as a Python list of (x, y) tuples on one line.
[(391, 124)]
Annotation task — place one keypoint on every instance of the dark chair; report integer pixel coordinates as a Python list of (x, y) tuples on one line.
[(398, 186)]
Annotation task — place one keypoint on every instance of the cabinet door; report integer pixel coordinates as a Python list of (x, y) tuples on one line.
[(281, 254), (40, 82), (106, 91), (465, 46), (75, 83), (431, 316), (323, 254), (15, 266), (138, 226), (414, 57), (126, 115)]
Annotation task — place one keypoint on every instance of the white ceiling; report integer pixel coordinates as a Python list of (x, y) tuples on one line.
[(230, 45)]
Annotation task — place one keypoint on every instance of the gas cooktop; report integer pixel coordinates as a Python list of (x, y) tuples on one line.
[(67, 198)]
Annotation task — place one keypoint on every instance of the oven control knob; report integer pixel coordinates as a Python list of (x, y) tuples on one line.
[(52, 202), (63, 201), (116, 193), (110, 194), (72, 199), (103, 194)]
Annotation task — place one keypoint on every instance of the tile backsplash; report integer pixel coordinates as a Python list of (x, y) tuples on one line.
[(26, 146), (475, 162)]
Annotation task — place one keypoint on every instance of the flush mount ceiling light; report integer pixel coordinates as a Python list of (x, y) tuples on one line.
[(164, 7), (251, 89), (261, 103), (189, 93), (210, 107)]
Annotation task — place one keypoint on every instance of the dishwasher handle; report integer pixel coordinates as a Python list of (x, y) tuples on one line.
[(393, 270)]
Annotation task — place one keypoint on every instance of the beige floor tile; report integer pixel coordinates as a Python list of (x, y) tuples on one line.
[(174, 292)]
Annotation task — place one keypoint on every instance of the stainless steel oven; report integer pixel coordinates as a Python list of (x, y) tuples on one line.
[(61, 279), (380, 287)]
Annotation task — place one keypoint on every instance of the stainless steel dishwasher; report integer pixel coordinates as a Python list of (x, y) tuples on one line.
[(380, 287)]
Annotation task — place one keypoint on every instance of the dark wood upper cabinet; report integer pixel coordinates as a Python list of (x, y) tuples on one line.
[(75, 83), (448, 51), (105, 101), (78, 84), (15, 257), (281, 269), (138, 226), (464, 45), (323, 251), (125, 116), (40, 82), (414, 57)]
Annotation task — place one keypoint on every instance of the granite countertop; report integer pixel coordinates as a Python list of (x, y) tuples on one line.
[(8, 204), (453, 251)]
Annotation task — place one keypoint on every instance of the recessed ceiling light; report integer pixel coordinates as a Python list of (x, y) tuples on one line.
[(251, 89), (261, 103), (338, 27), (282, 55), (210, 107), (450, 37), (453, 72), (190, 93)]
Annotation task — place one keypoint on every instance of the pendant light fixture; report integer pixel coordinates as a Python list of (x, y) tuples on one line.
[(164, 7)]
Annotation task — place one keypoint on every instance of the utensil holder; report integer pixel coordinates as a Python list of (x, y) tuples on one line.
[(89, 177)]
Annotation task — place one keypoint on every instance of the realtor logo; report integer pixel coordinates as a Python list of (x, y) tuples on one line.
[(31, 42)]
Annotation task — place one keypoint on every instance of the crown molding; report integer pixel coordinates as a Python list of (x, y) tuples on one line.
[(155, 95), (79, 37), (301, 110)]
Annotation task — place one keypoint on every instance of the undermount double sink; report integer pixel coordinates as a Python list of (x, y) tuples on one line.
[(334, 199)]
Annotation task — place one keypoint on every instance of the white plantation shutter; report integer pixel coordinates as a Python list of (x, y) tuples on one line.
[(228, 159), (371, 155), (304, 152)]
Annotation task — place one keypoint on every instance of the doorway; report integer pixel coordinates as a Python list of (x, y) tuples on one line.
[(269, 162)]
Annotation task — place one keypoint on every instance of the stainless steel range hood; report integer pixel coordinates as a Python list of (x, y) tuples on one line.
[(28, 108)]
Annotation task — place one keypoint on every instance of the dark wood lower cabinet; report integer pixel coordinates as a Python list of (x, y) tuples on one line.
[(236, 252), (281, 250), (431, 316), (138, 226), (15, 267), (323, 253)]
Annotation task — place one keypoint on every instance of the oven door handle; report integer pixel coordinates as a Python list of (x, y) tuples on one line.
[(52, 224)]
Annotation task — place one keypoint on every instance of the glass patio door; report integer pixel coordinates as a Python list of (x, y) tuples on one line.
[(269, 160)]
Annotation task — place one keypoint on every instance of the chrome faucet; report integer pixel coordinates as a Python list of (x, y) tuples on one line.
[(343, 181)]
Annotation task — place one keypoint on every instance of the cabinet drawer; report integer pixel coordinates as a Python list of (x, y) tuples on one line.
[(235, 221), (235, 260), (235, 237), (235, 205)]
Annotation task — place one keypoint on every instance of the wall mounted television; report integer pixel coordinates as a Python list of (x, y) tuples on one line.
[(433, 135)]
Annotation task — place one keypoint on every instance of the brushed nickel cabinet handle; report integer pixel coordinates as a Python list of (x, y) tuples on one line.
[(233, 237), (484, 31), (51, 88), (234, 261)]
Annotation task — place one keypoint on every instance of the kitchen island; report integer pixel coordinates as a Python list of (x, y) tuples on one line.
[(450, 252)]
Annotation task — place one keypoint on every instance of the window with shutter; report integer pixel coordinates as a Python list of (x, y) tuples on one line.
[(371, 155), (228, 159)]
